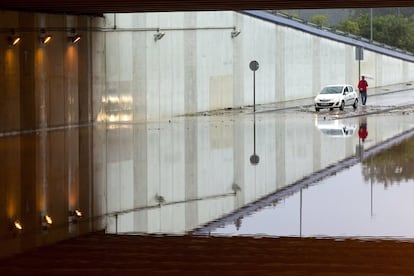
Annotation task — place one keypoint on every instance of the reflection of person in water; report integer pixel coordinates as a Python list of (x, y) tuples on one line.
[(238, 222), (363, 132)]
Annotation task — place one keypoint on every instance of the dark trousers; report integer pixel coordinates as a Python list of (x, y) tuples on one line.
[(363, 97)]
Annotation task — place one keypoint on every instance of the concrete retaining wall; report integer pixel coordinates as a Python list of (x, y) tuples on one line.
[(197, 66)]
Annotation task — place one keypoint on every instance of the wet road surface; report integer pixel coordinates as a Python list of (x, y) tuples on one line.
[(335, 205)]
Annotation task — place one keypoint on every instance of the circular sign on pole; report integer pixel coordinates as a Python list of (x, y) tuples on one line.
[(254, 159), (254, 65)]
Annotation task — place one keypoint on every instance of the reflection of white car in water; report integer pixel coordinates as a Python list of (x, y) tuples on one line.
[(336, 96), (336, 128)]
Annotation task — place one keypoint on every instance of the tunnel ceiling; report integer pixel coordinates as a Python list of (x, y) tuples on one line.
[(98, 7)]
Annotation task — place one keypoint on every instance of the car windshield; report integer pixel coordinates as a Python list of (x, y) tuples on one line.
[(332, 90)]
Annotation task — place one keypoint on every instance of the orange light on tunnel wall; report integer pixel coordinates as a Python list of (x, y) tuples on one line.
[(74, 37), (46, 221), (75, 215), (18, 225), (44, 38), (13, 40)]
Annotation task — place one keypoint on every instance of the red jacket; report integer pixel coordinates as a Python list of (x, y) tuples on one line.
[(362, 85), (362, 133)]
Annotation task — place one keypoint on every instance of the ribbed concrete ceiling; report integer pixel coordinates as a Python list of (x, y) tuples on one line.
[(106, 6)]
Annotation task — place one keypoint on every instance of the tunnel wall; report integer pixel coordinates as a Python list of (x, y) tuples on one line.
[(47, 91), (44, 86)]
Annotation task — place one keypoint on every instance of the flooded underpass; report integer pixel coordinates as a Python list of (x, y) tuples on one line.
[(290, 173), (200, 169)]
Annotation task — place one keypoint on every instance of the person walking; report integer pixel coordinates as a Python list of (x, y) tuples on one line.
[(363, 86)]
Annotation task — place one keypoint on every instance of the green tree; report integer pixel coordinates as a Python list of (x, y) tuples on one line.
[(390, 29), (397, 31), (321, 20), (392, 165), (349, 26)]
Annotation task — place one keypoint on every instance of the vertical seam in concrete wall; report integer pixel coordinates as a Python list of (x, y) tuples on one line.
[(190, 63), (349, 76), (316, 65), (280, 65), (238, 42)]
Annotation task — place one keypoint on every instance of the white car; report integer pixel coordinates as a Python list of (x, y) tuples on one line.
[(336, 96)]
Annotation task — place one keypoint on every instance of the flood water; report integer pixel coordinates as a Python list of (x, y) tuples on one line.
[(210, 174), (369, 200)]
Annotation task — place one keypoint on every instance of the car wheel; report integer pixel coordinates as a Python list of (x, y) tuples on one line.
[(316, 109), (330, 109), (355, 105), (341, 107)]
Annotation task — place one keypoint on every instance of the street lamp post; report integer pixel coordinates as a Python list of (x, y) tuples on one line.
[(371, 35), (254, 66), (254, 158)]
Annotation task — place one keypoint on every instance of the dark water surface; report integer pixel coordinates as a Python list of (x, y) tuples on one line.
[(176, 176)]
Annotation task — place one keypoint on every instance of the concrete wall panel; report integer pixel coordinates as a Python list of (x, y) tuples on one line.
[(298, 65)]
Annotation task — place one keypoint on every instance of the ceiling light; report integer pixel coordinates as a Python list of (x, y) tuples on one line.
[(46, 221), (73, 36), (235, 33), (18, 225), (75, 213), (160, 199), (78, 213), (74, 39), (13, 40), (44, 38), (158, 36)]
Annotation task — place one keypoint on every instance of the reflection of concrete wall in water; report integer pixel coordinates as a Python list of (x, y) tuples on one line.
[(218, 168), (220, 136), (160, 169), (45, 173)]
